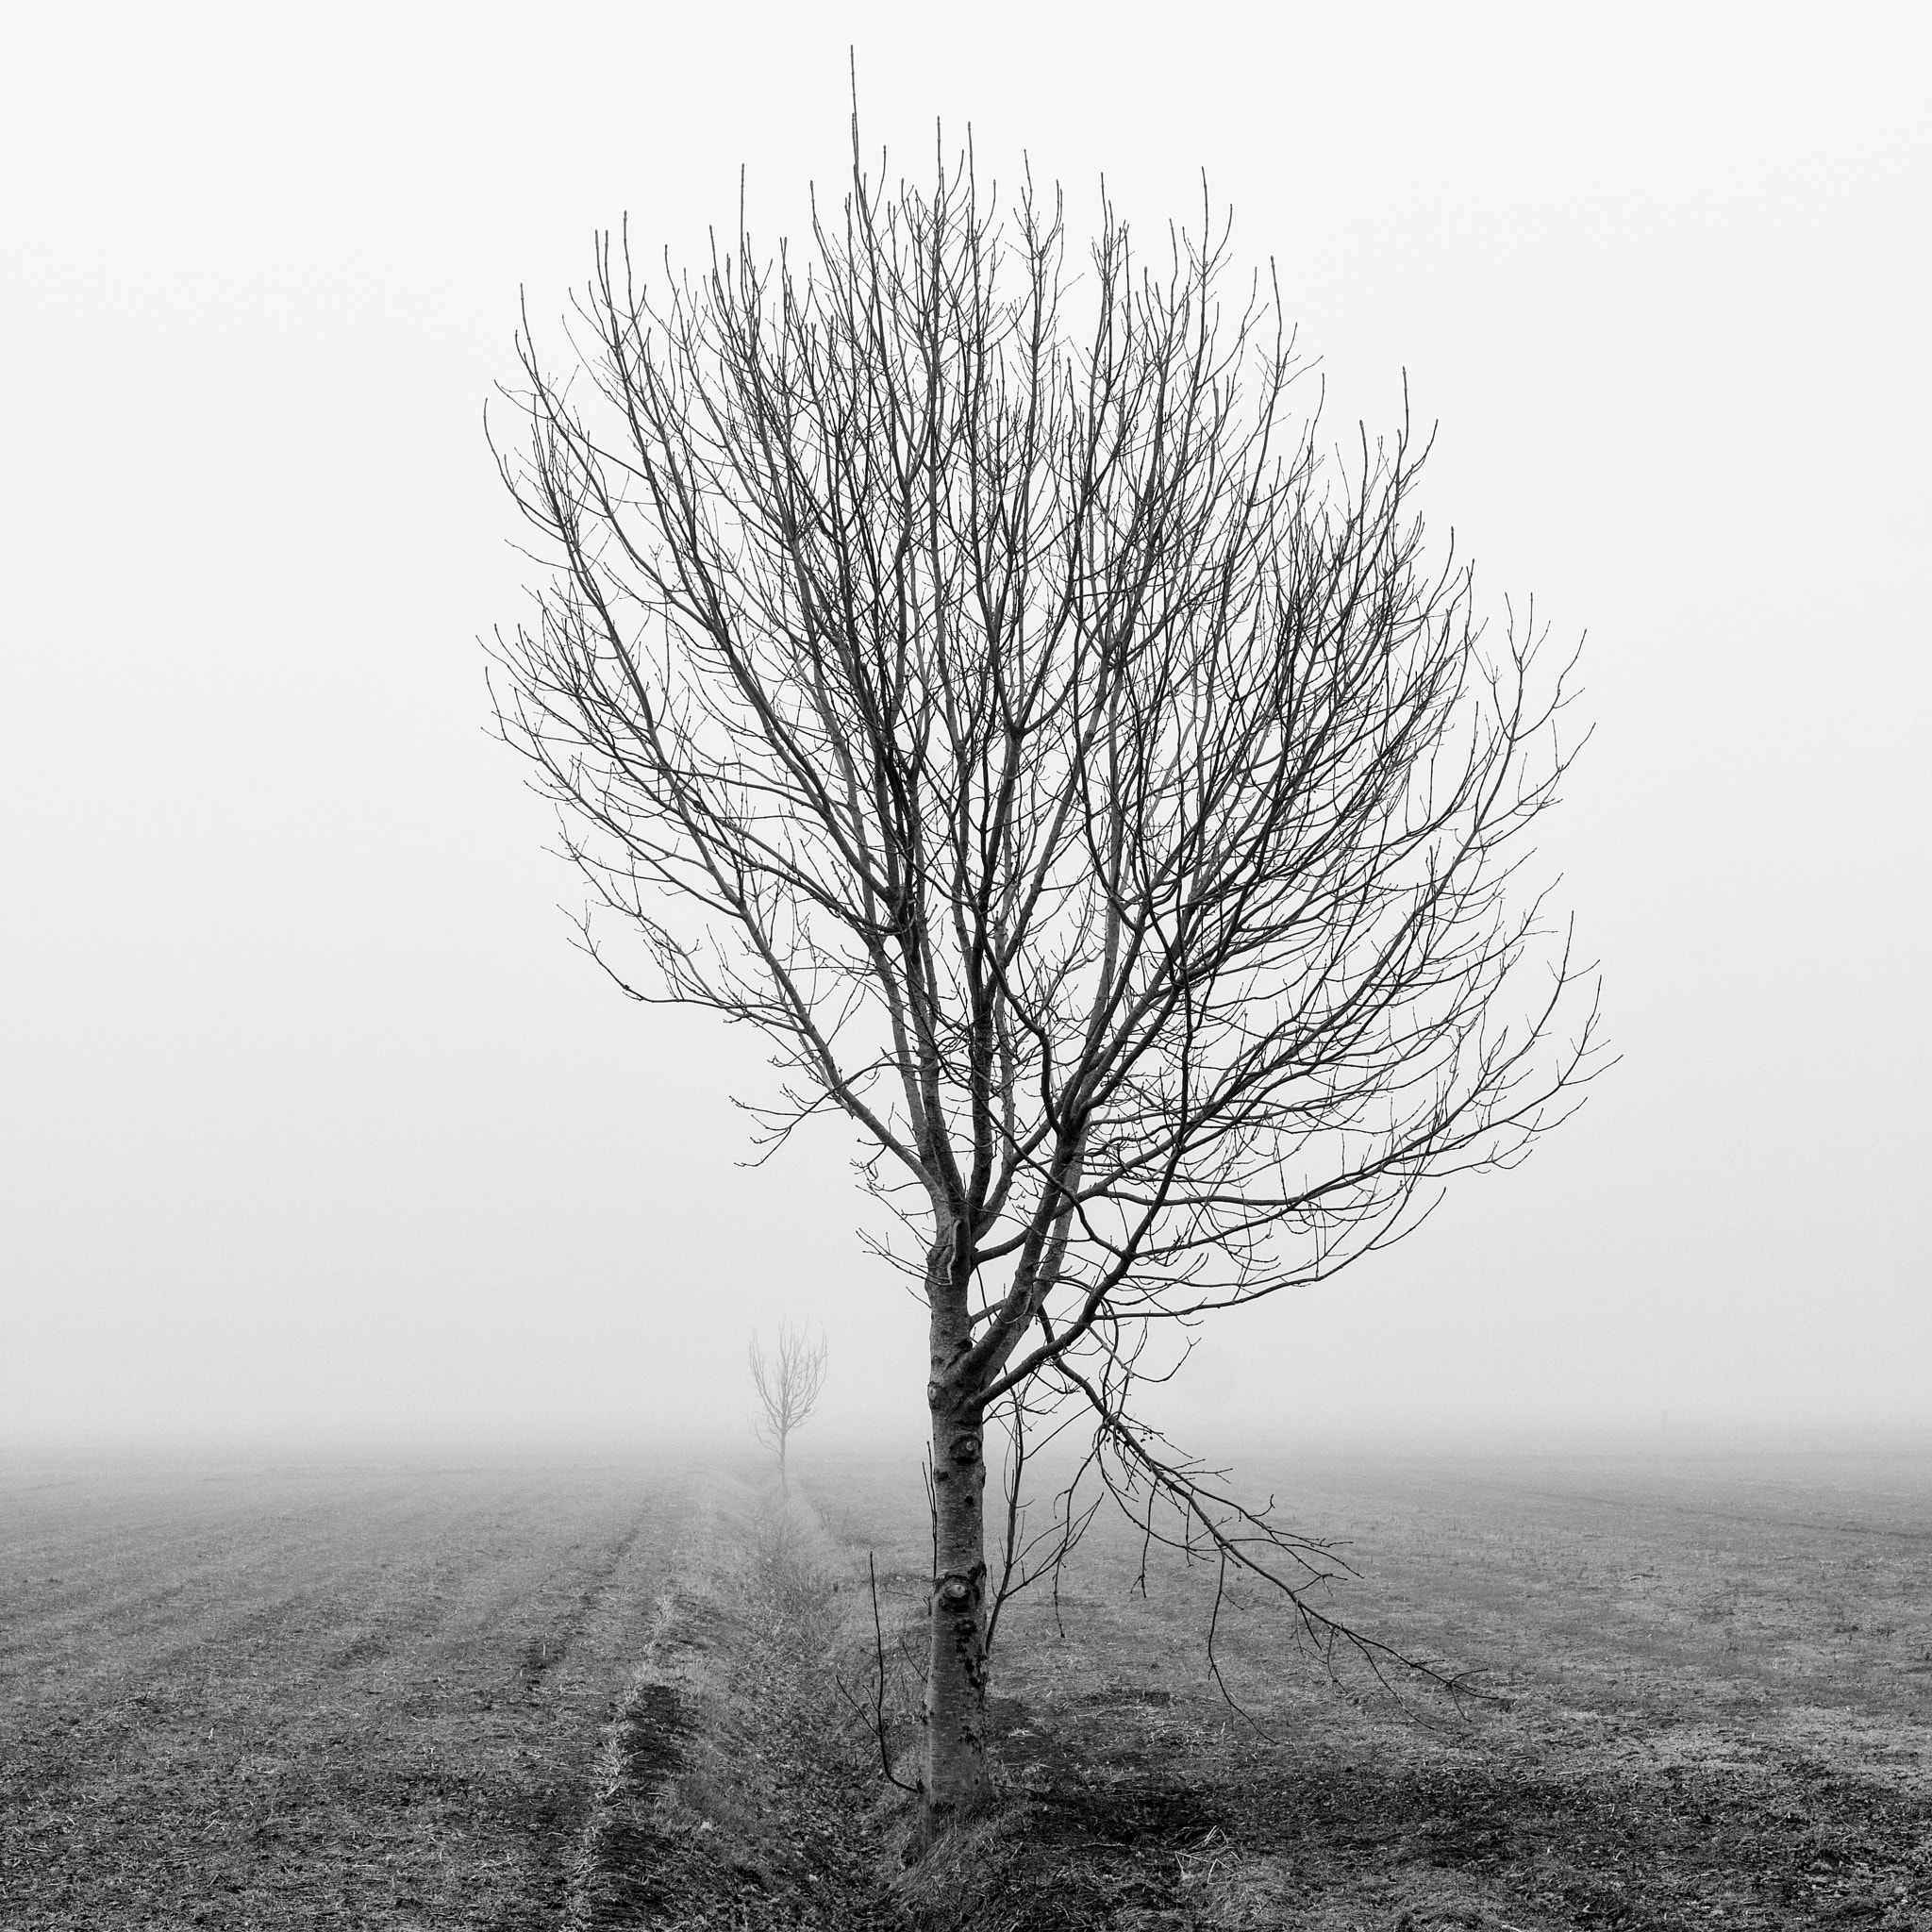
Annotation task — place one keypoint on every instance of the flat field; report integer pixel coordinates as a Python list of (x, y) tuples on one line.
[(1705, 1698), (359, 1695), (409, 1696)]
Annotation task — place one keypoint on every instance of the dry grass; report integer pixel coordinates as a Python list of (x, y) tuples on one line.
[(736, 1793)]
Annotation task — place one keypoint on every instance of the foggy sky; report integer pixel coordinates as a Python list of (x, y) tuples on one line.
[(315, 1127)]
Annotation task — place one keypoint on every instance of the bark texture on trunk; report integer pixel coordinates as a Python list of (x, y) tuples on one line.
[(956, 1677), (955, 1681)]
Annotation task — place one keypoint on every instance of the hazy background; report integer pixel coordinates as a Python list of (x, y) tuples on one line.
[(314, 1125)]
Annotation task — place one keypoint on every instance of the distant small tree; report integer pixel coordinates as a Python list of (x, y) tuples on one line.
[(1093, 789), (788, 1389)]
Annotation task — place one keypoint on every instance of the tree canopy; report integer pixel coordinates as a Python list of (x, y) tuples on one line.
[(983, 679)]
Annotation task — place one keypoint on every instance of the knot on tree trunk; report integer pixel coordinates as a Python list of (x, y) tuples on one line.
[(960, 1589)]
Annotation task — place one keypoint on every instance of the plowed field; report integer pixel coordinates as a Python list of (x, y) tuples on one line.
[(308, 1696)]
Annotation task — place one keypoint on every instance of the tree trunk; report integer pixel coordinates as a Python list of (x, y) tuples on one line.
[(955, 1681), (784, 1480)]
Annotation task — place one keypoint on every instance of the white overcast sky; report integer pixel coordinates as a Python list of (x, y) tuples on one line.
[(311, 1122)]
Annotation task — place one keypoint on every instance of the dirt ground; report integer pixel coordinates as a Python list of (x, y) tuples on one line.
[(1702, 1694), (1704, 1699), (363, 1695)]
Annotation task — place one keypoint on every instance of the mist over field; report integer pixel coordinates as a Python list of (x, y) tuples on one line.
[(418, 1500), (510, 1692), (316, 1132)]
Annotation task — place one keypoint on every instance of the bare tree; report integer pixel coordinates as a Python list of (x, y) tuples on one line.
[(788, 1389), (1090, 784)]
